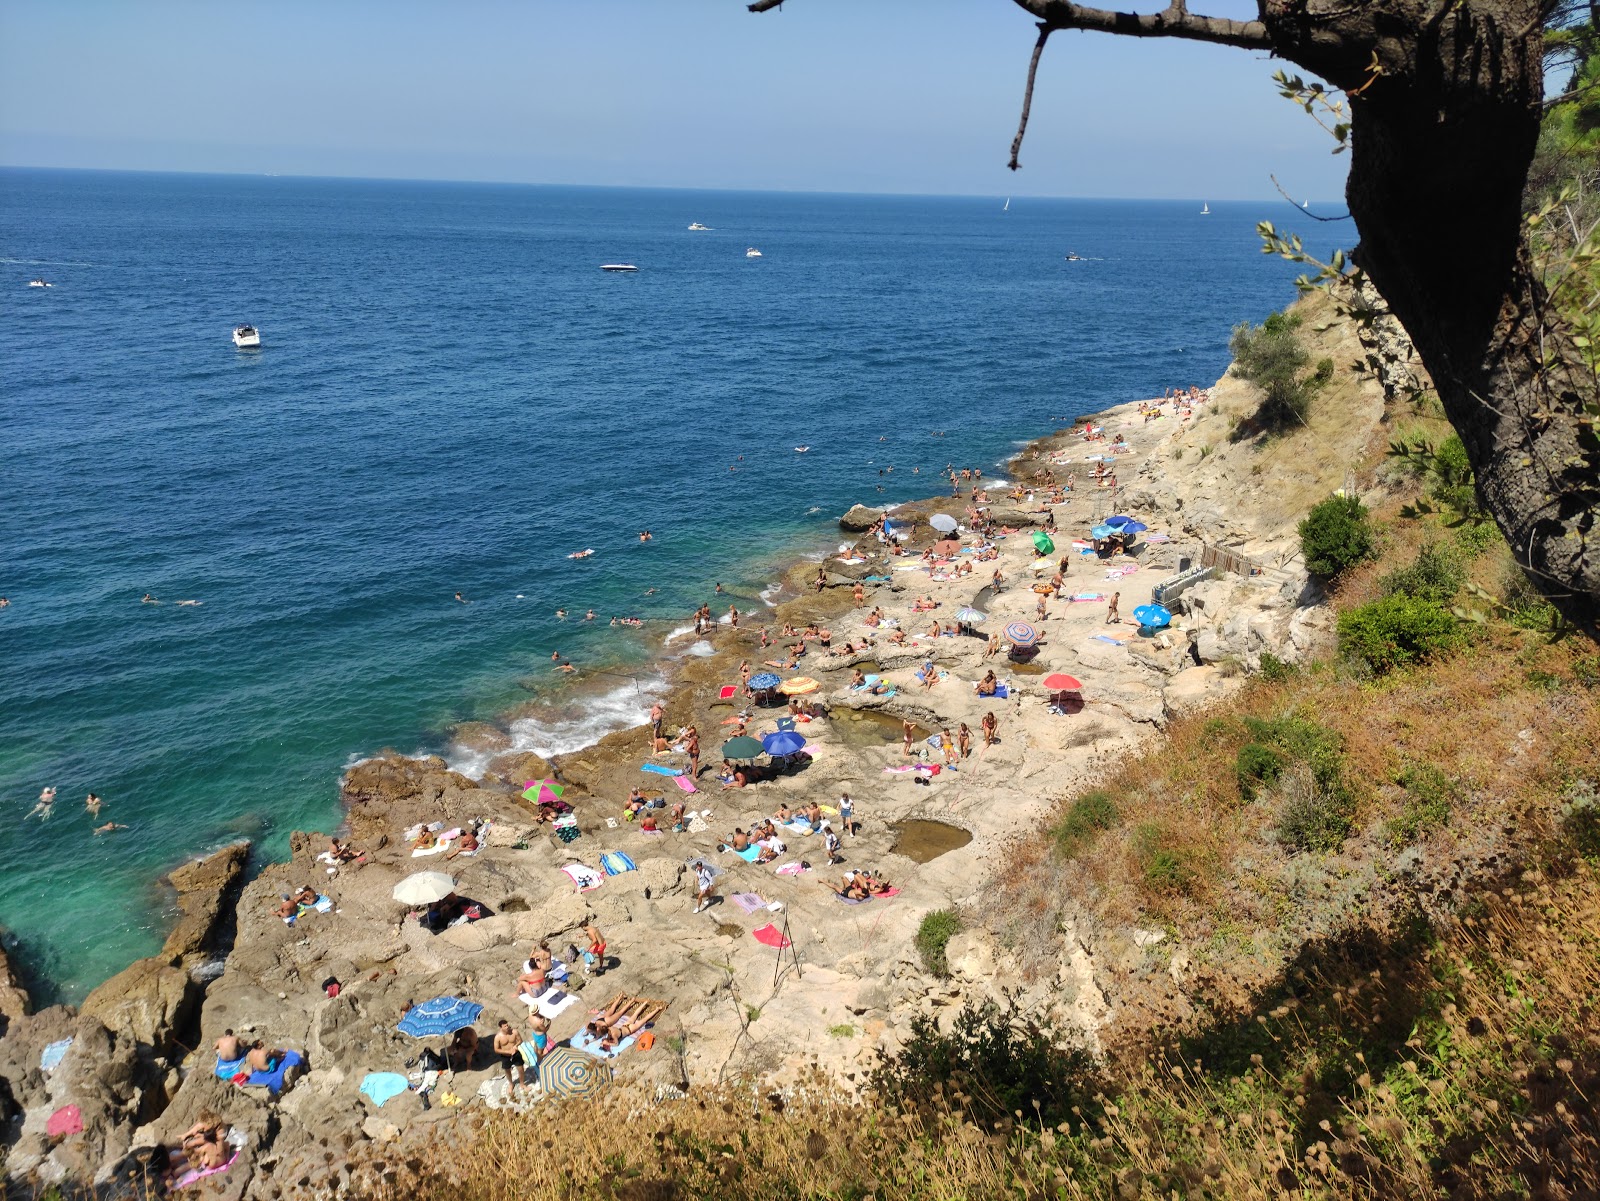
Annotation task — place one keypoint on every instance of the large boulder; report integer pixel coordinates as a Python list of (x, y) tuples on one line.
[(13, 997), (204, 889), (144, 1002), (860, 519)]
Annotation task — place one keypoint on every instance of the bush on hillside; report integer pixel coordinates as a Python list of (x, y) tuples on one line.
[(1397, 631), (1257, 766), (993, 1062), (1085, 817), (1271, 357), (1312, 817), (933, 936), (1435, 574), (1335, 536), (1167, 866), (1429, 795)]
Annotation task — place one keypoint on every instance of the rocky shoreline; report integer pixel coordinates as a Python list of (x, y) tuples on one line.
[(139, 1067)]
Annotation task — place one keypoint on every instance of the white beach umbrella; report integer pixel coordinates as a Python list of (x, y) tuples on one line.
[(424, 888), (943, 522)]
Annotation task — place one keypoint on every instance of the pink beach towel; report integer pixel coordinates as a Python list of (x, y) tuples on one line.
[(64, 1121), (790, 869), (685, 783), (771, 935), (195, 1175)]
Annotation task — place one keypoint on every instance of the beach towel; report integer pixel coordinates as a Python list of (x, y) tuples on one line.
[(1086, 596), (685, 783), (1158, 537), (382, 1086), (53, 1054), (227, 1069), (771, 935), (1108, 638), (195, 1175), (790, 869), (273, 1081), (661, 769), (590, 1045), (727, 692), (64, 1121), (437, 848), (749, 854), (614, 863), (852, 900), (550, 1004), (748, 901), (1002, 692), (799, 826), (584, 877), (888, 892)]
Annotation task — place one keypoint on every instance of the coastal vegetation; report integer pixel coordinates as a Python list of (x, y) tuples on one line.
[(1272, 356), (1335, 536)]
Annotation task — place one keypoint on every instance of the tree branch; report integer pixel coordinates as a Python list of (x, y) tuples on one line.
[(1176, 21), (1027, 96)]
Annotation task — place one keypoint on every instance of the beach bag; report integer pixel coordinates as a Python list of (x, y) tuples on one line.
[(646, 1040), (430, 1060)]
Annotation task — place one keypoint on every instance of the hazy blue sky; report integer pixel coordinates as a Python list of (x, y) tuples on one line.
[(836, 95)]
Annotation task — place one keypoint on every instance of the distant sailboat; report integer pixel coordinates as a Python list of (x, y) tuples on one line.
[(1205, 209), (1007, 208)]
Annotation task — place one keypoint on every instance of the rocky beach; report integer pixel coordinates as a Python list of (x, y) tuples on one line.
[(845, 979)]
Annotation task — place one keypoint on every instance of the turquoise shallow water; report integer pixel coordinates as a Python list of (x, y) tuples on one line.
[(452, 397)]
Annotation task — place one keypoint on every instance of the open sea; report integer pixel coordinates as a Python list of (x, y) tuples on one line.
[(451, 396)]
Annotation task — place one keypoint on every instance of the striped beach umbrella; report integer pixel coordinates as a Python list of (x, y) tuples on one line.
[(564, 1072), (970, 616), (1020, 633), (442, 1015), (798, 685), (539, 791)]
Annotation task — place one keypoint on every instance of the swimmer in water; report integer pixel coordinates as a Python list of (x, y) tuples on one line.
[(108, 827), (649, 591), (92, 803), (555, 656), (568, 667), (589, 616), (147, 599), (5, 602), (47, 800), (461, 598), (718, 589), (561, 615)]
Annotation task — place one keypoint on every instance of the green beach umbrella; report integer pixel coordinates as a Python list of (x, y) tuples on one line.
[(1042, 543), (539, 791), (742, 747)]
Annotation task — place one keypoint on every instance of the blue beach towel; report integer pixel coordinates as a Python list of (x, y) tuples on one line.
[(749, 854), (1002, 692), (614, 863), (661, 769), (51, 1057), (381, 1086), (590, 1045), (273, 1081), (227, 1069)]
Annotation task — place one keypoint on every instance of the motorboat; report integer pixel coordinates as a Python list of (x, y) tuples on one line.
[(1074, 257), (38, 283), (697, 226), (246, 337), (618, 267), (752, 253)]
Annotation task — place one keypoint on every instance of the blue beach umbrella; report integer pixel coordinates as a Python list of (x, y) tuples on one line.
[(1153, 616), (1133, 527), (1119, 519), (764, 681), (442, 1015), (784, 742), (1103, 531)]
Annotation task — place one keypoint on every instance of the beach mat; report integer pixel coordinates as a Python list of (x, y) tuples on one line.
[(750, 854), (614, 863), (770, 935), (685, 783), (589, 1044), (273, 1081), (661, 769), (194, 1175), (748, 901), (584, 877)]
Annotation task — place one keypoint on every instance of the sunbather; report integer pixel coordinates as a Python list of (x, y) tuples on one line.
[(304, 895), (634, 1019), (467, 844), (262, 1059), (989, 685), (849, 889)]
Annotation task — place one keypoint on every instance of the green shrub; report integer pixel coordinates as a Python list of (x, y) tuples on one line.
[(935, 933), (1257, 766), (1167, 868), (1430, 795), (993, 1062), (1270, 356), (1397, 631), (1475, 537), (1275, 670), (1435, 574), (1335, 536), (1524, 606), (1580, 818), (1312, 817), (1085, 817)]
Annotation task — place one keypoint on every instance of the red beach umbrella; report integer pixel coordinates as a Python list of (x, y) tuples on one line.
[(1062, 683)]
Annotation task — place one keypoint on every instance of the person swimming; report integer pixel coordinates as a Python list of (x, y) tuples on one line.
[(47, 800)]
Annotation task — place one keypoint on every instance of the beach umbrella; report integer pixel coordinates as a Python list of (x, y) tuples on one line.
[(947, 546), (1104, 531), (1061, 682), (1153, 616), (742, 747), (943, 522), (1042, 543), (1020, 633), (1133, 527), (1119, 519), (764, 681), (564, 1072), (784, 742), (970, 616), (796, 685), (539, 791), (424, 888), (442, 1015)]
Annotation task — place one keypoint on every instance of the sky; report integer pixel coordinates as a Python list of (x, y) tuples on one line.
[(907, 96)]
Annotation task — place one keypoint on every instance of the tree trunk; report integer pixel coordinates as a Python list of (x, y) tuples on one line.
[(1442, 137)]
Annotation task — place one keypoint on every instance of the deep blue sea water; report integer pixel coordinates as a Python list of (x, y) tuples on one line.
[(451, 396)]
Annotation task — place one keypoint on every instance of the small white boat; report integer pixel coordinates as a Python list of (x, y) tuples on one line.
[(618, 267), (698, 226), (1074, 257), (752, 253), (39, 283), (800, 450), (1205, 209), (1007, 206), (246, 337)]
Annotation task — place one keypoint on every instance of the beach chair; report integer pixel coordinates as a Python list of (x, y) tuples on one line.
[(786, 724)]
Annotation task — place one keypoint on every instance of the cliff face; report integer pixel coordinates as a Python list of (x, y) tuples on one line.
[(735, 1005)]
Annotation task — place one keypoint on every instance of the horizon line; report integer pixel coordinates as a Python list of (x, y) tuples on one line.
[(754, 191)]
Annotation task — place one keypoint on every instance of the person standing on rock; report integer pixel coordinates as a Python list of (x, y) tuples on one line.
[(692, 745), (908, 731), (505, 1049), (990, 726), (964, 740), (1111, 610), (594, 960), (657, 716), (859, 593), (707, 882)]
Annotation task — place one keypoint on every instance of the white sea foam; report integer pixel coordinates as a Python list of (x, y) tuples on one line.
[(585, 720), (701, 649), (677, 633)]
